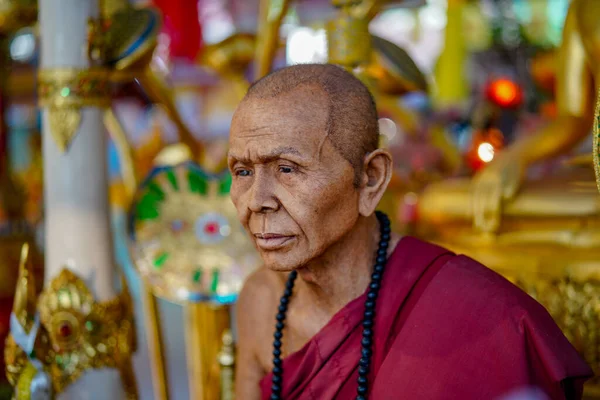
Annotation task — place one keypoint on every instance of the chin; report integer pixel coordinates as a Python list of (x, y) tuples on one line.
[(276, 266), (280, 262)]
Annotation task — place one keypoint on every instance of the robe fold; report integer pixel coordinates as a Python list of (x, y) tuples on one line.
[(446, 327)]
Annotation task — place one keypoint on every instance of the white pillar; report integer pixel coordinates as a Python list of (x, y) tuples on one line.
[(78, 231)]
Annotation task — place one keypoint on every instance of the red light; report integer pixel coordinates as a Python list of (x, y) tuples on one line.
[(505, 93)]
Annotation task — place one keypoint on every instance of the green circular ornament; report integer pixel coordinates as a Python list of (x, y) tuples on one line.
[(186, 240)]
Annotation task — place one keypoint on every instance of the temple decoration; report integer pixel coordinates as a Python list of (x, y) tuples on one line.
[(65, 92), (542, 234), (16, 14), (348, 39), (227, 364), (190, 248), (15, 231), (187, 241), (596, 142), (86, 334), (72, 333), (24, 350), (123, 39)]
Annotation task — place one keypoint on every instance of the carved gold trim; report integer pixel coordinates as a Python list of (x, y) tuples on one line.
[(64, 92), (85, 334), (596, 145), (50, 347), (227, 365)]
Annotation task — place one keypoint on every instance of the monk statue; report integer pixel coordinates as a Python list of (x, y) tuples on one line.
[(359, 311)]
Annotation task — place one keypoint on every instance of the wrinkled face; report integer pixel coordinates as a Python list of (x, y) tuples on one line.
[(293, 191)]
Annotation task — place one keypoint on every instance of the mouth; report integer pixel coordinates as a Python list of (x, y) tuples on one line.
[(271, 241)]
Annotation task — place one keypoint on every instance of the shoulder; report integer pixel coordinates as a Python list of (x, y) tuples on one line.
[(258, 297), (461, 272), (471, 286), (501, 315), (262, 285), (460, 277)]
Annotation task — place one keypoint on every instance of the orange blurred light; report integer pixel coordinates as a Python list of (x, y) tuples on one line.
[(505, 93)]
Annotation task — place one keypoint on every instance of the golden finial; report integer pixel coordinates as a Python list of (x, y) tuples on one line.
[(226, 360), (24, 306)]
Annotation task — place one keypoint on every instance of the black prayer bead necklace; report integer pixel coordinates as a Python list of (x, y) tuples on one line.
[(368, 318)]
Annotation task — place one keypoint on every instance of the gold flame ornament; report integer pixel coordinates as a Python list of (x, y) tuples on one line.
[(64, 92), (24, 350)]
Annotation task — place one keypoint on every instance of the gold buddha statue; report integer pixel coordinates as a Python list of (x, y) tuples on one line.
[(493, 192), (542, 234)]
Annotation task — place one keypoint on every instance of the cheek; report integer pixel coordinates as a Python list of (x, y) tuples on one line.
[(321, 207), (236, 194)]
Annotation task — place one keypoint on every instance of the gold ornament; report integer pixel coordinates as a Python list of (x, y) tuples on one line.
[(186, 240), (575, 306), (26, 344), (130, 38), (349, 42), (227, 364), (84, 334), (64, 92), (596, 145), (16, 14)]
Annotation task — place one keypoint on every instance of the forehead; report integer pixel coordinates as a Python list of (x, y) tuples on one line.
[(298, 117)]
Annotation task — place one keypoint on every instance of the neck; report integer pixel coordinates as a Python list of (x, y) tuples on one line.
[(343, 272)]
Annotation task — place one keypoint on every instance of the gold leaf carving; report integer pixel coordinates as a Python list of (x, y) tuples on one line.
[(64, 124)]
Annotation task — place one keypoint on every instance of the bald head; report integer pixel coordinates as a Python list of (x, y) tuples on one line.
[(352, 125)]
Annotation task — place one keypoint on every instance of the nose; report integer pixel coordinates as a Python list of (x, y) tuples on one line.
[(262, 194)]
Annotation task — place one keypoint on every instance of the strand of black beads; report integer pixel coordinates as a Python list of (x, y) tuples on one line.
[(277, 379), (364, 363)]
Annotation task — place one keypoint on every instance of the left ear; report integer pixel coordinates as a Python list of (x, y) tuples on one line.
[(377, 172)]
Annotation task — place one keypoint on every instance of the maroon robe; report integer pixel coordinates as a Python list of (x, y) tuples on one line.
[(446, 327)]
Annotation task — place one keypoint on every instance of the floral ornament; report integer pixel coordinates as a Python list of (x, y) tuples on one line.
[(85, 334), (186, 240)]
